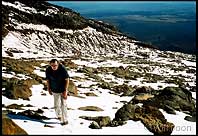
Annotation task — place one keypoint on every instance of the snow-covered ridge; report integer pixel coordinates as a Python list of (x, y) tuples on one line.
[(62, 41), (20, 7), (24, 8)]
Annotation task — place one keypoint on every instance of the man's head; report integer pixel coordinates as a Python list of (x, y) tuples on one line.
[(54, 64)]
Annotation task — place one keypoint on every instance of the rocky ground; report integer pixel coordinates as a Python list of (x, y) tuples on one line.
[(151, 82)]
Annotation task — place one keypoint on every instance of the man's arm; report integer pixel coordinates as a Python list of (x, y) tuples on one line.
[(66, 88), (48, 87), (48, 82), (67, 83)]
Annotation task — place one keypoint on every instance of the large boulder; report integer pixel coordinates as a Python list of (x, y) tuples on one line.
[(11, 128), (15, 88), (72, 88), (154, 121), (126, 112), (173, 98), (151, 117)]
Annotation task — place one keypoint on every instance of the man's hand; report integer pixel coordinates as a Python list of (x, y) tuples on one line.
[(50, 92), (64, 94), (48, 87)]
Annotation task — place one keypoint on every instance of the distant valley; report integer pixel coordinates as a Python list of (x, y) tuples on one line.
[(169, 26)]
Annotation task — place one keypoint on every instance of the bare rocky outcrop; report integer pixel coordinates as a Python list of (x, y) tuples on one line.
[(169, 99), (73, 90), (15, 88), (151, 117), (11, 128), (173, 98)]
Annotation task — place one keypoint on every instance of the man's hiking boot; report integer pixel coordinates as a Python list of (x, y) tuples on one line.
[(64, 123)]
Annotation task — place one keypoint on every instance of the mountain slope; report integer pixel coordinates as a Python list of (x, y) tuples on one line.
[(56, 30)]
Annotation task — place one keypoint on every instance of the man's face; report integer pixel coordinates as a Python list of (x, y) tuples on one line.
[(54, 65)]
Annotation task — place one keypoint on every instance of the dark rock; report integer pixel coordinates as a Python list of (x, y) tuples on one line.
[(87, 70), (15, 106), (193, 89), (16, 88), (32, 114), (48, 126), (40, 111), (194, 114), (29, 105), (169, 110), (104, 85), (68, 63), (124, 102), (9, 112), (44, 94), (157, 127), (102, 121), (9, 53), (153, 111), (173, 98), (150, 116), (126, 112), (143, 89), (115, 123), (94, 125), (121, 72), (191, 71), (14, 50), (190, 118), (181, 96), (90, 94), (124, 89), (181, 92), (45, 108), (90, 108), (73, 91)]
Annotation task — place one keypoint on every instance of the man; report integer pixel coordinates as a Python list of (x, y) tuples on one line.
[(57, 85)]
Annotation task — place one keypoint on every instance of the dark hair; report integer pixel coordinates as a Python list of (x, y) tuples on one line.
[(53, 60)]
